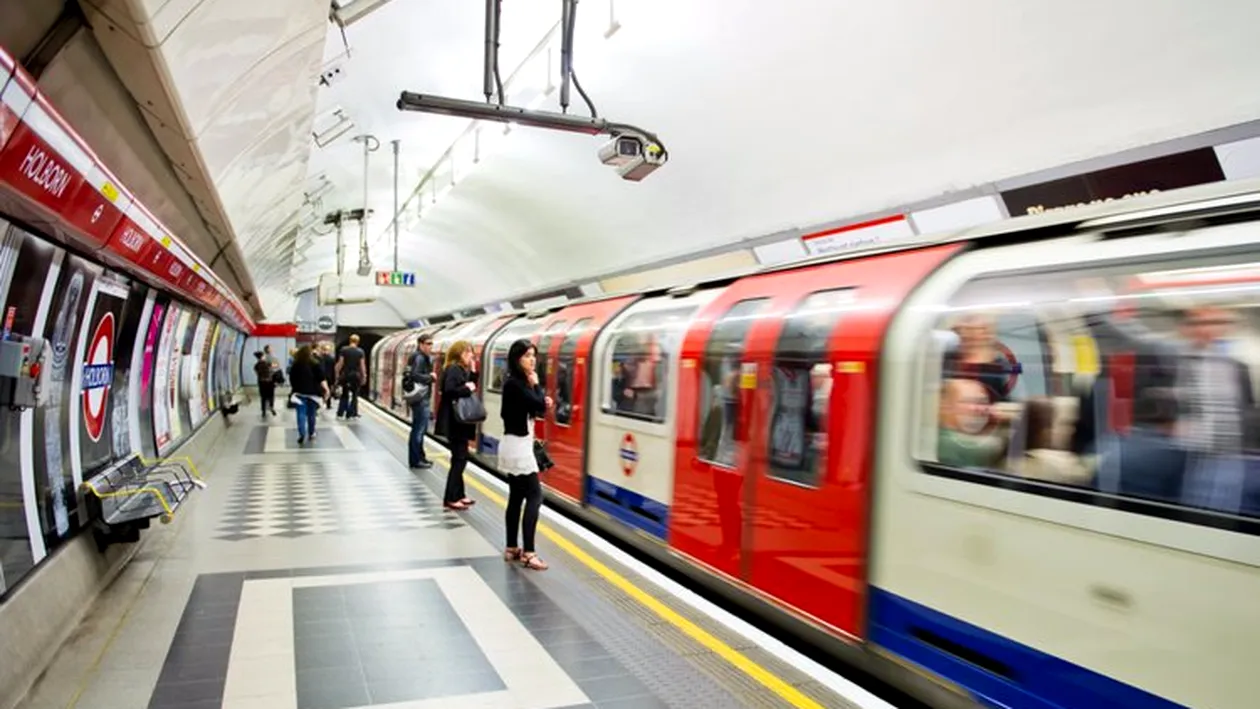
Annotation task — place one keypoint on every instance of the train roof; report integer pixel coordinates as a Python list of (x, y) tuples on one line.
[(1185, 207)]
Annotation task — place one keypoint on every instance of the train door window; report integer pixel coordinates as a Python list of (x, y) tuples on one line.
[(801, 380), (1128, 385), (564, 371), (640, 365), (498, 351), (719, 382), (544, 349)]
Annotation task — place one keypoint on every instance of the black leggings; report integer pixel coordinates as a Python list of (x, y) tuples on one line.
[(523, 488), (455, 476), (267, 394)]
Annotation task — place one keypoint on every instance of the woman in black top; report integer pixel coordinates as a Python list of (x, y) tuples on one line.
[(458, 381), (309, 388), (523, 401), (266, 384)]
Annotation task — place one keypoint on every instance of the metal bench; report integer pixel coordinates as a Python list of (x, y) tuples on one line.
[(122, 499)]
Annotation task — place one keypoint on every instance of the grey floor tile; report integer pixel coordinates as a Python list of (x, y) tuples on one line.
[(605, 689), (335, 688), (173, 693), (640, 702), (337, 627), (577, 651), (593, 668), (431, 685), (325, 652)]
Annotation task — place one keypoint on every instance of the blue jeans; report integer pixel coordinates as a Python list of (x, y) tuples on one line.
[(306, 409), (419, 427)]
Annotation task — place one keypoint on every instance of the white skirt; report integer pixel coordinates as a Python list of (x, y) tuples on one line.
[(516, 455)]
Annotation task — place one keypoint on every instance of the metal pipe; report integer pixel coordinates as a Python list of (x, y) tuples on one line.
[(341, 247), (567, 9), (492, 49), (395, 142), (370, 144)]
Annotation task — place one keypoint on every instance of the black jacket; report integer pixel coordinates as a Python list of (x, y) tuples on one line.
[(521, 401), (306, 379), (421, 367), (454, 386)]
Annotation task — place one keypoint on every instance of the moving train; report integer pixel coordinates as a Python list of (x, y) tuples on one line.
[(993, 467)]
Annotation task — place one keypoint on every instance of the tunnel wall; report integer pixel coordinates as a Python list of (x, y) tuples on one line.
[(132, 370)]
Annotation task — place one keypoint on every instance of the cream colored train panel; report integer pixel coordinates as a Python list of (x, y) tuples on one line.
[(1046, 535)]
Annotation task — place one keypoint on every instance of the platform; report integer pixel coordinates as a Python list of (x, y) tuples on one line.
[(329, 577)]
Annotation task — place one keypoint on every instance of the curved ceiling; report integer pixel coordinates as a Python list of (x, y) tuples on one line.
[(775, 114)]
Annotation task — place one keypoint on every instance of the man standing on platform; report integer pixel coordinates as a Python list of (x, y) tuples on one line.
[(417, 391), (329, 362), (351, 372)]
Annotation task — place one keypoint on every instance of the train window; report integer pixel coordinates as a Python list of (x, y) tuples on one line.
[(564, 371), (498, 351), (1123, 386), (640, 363), (719, 383), (801, 378), (544, 349)]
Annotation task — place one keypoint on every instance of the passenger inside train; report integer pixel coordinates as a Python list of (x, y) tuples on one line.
[(1157, 366)]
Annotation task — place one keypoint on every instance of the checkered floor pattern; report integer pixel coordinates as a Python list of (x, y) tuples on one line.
[(300, 499)]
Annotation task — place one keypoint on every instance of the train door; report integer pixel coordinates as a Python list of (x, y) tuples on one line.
[(634, 429), (566, 423), (550, 339), (494, 364), (716, 391)]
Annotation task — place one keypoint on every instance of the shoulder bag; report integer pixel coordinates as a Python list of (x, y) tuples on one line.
[(469, 410)]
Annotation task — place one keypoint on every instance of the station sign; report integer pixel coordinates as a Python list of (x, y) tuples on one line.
[(395, 278)]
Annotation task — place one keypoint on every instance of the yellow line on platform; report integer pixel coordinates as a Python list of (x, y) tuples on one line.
[(710, 642)]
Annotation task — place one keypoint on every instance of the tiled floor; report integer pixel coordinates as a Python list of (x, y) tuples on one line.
[(327, 576)]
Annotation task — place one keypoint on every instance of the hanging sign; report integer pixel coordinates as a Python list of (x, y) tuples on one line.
[(395, 278)]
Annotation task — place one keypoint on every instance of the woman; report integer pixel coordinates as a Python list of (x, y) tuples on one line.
[(266, 385), (523, 401), (457, 383), (310, 386)]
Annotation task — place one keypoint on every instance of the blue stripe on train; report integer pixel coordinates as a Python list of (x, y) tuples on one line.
[(629, 507), (998, 671)]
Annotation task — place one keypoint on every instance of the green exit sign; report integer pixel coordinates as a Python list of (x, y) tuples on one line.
[(395, 278)]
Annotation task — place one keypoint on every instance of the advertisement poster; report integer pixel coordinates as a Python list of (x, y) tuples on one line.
[(212, 355), (148, 443), (19, 254), (54, 476), (125, 405), (162, 380), (181, 372), (1169, 172), (195, 377), (96, 358)]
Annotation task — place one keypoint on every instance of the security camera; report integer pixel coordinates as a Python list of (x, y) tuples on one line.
[(635, 156)]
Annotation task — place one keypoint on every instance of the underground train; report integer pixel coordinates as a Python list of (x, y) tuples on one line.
[(994, 467)]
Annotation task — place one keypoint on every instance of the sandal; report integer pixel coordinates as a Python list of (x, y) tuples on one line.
[(468, 502), (512, 554), (530, 560), (455, 506)]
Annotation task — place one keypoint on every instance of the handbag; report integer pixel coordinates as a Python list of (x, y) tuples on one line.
[(541, 457), (469, 410)]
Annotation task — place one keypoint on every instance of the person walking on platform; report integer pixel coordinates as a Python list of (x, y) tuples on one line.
[(417, 391), (309, 389), (351, 373), (266, 385), (329, 362), (523, 401), (457, 383)]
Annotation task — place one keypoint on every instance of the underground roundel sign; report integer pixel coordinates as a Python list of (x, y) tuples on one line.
[(98, 375), (629, 454)]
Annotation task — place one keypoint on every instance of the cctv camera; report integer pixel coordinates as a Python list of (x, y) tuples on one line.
[(621, 150), (635, 156)]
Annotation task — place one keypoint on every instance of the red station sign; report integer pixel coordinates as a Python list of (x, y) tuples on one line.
[(50, 178)]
